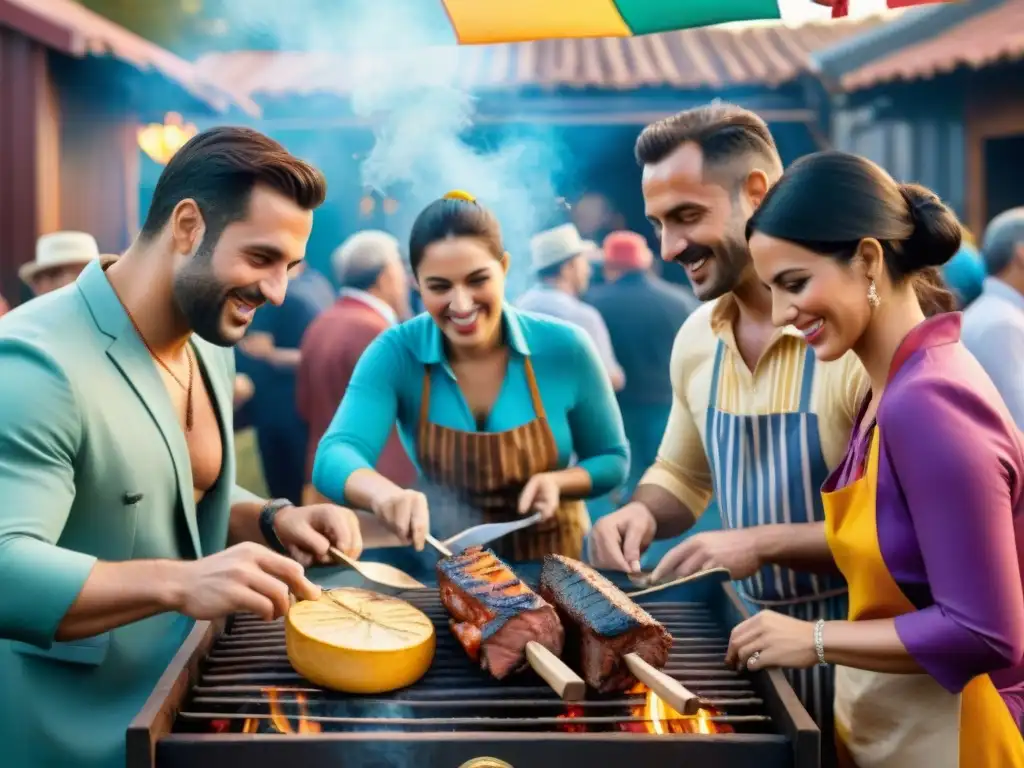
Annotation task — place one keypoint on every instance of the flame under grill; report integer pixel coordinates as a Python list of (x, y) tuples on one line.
[(247, 677), (235, 699)]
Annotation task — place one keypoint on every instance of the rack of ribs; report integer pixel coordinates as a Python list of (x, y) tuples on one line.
[(501, 622), (612, 640)]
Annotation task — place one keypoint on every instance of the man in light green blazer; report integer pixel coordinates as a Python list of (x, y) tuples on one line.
[(120, 521)]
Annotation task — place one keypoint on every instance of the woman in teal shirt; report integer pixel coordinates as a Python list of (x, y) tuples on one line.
[(504, 412)]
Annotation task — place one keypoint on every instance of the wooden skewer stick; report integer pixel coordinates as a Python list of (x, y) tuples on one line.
[(721, 574), (672, 692), (566, 683)]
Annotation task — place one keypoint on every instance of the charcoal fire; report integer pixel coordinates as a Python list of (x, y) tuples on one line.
[(278, 721), (494, 614), (656, 716), (652, 715)]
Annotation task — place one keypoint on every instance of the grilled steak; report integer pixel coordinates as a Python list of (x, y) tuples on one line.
[(602, 624), (494, 615)]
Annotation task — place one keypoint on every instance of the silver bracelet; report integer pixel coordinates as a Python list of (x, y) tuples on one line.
[(819, 641)]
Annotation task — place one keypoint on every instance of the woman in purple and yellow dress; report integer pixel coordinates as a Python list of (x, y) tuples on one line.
[(925, 515)]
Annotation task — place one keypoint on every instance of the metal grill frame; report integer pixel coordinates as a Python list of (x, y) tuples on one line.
[(152, 744)]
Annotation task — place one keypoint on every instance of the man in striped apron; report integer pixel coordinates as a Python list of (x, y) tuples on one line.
[(756, 421)]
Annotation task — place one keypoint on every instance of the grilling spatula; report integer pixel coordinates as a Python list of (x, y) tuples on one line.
[(480, 535), (379, 573)]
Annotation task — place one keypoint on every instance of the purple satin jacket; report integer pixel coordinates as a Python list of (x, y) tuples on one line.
[(950, 510)]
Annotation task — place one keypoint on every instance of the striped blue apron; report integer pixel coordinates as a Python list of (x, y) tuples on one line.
[(767, 469)]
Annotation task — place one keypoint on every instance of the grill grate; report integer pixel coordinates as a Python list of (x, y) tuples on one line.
[(246, 680)]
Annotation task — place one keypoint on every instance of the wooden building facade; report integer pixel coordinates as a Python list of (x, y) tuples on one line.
[(936, 98), (584, 100), (74, 87)]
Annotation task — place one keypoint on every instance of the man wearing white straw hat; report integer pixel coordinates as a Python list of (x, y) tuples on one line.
[(60, 258), (560, 263)]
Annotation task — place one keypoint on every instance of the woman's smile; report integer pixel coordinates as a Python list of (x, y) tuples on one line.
[(812, 330), (464, 323)]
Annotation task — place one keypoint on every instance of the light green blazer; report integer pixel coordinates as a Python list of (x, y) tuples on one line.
[(93, 465)]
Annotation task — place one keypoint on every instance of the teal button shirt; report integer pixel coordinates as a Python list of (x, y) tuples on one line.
[(387, 386), (93, 466)]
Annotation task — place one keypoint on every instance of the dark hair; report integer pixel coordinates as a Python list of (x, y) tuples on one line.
[(218, 168), (454, 215), (724, 132), (828, 202)]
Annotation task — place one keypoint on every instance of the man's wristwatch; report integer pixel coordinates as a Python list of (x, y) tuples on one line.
[(267, 515)]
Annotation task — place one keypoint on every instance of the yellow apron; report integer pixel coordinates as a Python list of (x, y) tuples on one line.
[(903, 721)]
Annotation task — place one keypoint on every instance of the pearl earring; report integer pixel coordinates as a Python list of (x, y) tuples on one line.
[(873, 298)]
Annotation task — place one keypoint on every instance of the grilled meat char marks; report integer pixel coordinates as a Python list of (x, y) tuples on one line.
[(602, 624), (494, 615)]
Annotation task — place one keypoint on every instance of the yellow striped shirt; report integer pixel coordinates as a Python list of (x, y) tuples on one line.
[(837, 391)]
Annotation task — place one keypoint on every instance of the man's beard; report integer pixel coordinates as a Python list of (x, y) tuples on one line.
[(728, 259), (201, 297)]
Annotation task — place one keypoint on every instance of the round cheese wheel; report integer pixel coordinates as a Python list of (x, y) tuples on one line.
[(357, 641)]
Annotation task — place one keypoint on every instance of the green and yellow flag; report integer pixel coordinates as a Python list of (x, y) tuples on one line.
[(507, 21)]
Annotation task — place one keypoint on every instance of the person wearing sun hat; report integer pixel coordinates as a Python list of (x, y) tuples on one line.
[(560, 262), (60, 258)]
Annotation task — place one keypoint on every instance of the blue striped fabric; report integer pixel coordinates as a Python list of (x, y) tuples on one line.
[(768, 469)]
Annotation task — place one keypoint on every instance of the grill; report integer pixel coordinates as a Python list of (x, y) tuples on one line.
[(231, 697)]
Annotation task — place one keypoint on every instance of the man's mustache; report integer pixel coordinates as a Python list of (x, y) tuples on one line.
[(694, 253), (251, 295)]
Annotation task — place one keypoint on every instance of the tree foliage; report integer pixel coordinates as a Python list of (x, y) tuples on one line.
[(165, 22)]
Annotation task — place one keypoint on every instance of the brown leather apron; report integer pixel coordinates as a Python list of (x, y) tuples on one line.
[(488, 470)]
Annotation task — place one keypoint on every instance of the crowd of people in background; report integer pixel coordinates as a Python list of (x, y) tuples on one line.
[(810, 414)]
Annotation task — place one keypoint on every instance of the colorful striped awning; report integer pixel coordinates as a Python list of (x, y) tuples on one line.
[(510, 21)]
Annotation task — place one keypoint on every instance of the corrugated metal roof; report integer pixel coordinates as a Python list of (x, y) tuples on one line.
[(769, 54), (73, 29), (994, 35)]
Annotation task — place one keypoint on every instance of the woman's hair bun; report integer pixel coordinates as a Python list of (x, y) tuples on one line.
[(937, 232)]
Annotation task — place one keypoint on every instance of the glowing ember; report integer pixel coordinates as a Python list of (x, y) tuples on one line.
[(572, 712)]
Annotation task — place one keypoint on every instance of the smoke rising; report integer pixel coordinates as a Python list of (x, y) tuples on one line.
[(424, 113), (422, 116)]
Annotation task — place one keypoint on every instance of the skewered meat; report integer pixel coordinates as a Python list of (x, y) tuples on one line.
[(494, 615), (602, 624)]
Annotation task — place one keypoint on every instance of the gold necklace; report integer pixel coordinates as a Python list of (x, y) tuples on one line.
[(191, 370)]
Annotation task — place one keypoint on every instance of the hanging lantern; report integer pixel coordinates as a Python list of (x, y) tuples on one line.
[(161, 141)]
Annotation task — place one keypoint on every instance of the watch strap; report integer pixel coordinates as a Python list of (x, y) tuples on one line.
[(267, 516)]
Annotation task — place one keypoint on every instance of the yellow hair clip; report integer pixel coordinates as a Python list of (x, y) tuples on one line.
[(458, 194)]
